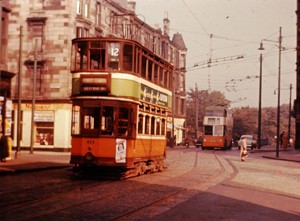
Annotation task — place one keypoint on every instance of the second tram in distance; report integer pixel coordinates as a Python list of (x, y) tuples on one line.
[(218, 123), (121, 95)]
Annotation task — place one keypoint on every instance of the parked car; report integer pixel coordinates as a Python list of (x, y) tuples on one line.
[(251, 141)]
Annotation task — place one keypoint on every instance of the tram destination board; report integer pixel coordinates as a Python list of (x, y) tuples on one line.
[(92, 83)]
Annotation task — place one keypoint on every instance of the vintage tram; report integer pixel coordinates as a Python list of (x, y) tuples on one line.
[(121, 100), (217, 123)]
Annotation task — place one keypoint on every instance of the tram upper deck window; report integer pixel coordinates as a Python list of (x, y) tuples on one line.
[(144, 65), (113, 55), (128, 57), (150, 69), (97, 55), (81, 57)]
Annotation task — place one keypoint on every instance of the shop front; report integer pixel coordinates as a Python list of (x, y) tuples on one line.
[(51, 126)]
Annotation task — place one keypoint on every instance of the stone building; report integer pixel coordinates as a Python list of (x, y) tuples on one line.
[(6, 75), (45, 29)]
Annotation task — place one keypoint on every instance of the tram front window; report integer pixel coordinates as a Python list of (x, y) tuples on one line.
[(107, 121), (91, 118), (208, 130)]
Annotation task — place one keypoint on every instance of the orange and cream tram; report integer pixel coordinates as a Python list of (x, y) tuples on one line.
[(121, 96), (218, 123)]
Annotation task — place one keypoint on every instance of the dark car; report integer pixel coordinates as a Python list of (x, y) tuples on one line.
[(198, 142), (251, 141)]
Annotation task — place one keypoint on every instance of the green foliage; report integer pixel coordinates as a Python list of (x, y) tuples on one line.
[(204, 98), (245, 119)]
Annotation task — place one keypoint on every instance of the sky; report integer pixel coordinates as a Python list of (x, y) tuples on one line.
[(229, 33)]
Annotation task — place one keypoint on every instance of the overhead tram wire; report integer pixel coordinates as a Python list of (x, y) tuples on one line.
[(195, 17)]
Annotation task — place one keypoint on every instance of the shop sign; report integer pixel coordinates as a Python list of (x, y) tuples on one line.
[(7, 126), (8, 108), (44, 116)]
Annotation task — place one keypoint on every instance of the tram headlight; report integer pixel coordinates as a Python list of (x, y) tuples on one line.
[(89, 156)]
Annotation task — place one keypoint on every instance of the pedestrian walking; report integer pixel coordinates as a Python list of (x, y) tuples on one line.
[(243, 150), (285, 141), (281, 138), (3, 148)]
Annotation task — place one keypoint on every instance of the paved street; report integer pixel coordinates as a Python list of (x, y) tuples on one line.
[(195, 185)]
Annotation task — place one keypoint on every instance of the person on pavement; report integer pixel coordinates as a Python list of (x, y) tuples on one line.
[(3, 148), (285, 140), (243, 150)]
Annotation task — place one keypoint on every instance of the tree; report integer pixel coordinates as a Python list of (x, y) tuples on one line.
[(245, 121), (205, 98)]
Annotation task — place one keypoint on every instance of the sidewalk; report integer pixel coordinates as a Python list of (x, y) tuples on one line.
[(38, 160), (269, 151)]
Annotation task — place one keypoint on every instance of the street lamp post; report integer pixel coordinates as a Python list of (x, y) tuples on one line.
[(259, 99), (196, 113), (278, 98)]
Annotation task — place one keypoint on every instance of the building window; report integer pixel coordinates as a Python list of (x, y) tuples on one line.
[(113, 22), (78, 7), (98, 14), (182, 61), (86, 8), (36, 32), (44, 127), (39, 72), (82, 32)]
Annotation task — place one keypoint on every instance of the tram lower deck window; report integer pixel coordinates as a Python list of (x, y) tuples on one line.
[(91, 118)]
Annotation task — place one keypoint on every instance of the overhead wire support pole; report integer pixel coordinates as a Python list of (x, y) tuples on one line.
[(259, 103), (19, 95), (196, 111), (0, 39), (278, 100), (290, 110), (33, 98)]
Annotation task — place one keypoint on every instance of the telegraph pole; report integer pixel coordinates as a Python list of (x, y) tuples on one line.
[(196, 107), (19, 95), (290, 110), (278, 100), (259, 103)]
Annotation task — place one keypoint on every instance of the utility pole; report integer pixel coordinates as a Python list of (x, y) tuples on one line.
[(19, 95), (0, 40), (259, 102), (278, 100), (33, 98), (196, 107), (290, 110)]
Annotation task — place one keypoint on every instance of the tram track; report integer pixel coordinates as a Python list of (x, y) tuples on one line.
[(146, 199), (39, 193), (170, 201)]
